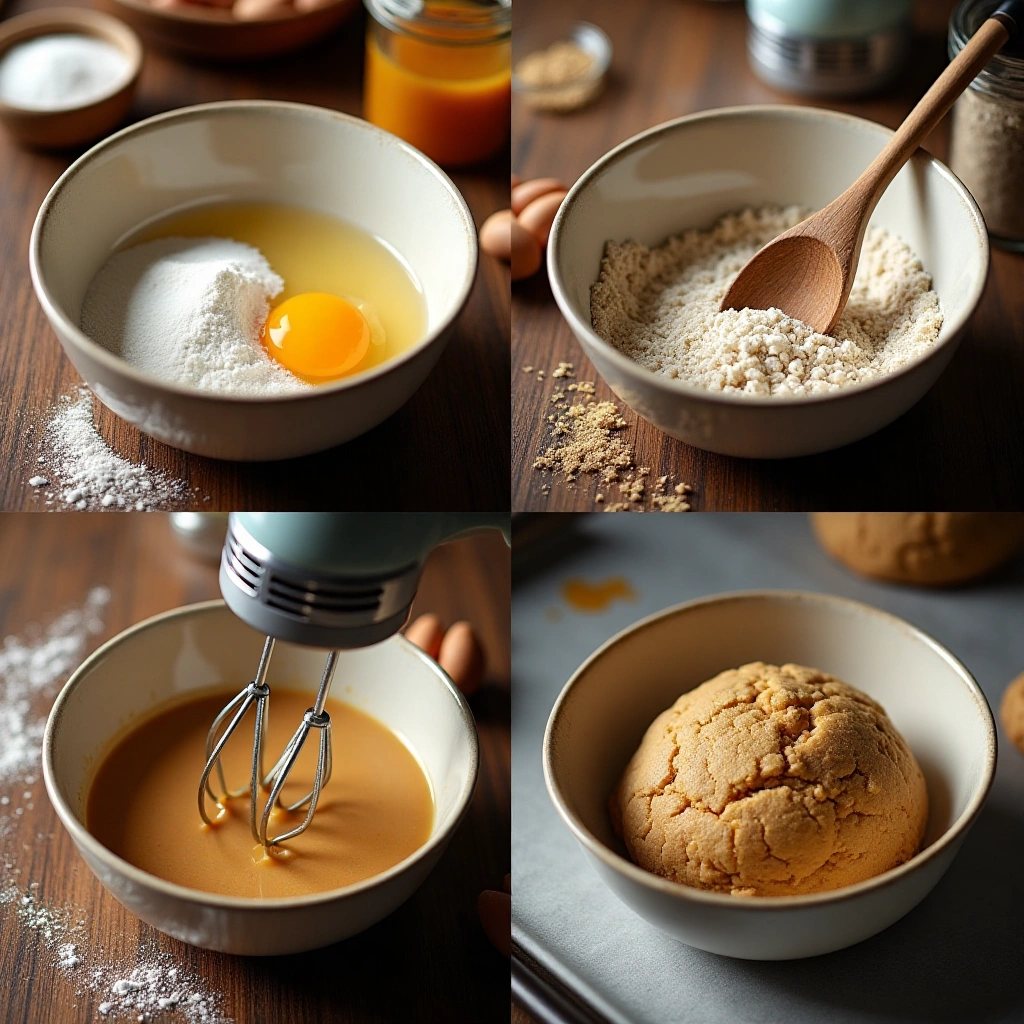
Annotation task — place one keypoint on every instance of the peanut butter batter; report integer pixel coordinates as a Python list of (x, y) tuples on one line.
[(376, 810)]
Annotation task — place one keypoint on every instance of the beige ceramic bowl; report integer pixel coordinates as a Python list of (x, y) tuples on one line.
[(202, 647), (213, 33), (688, 173), (73, 126), (605, 708), (248, 151)]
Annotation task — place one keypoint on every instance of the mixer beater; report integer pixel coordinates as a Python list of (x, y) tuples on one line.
[(332, 580), (258, 693)]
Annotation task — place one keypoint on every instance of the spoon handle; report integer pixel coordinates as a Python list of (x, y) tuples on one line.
[(983, 45)]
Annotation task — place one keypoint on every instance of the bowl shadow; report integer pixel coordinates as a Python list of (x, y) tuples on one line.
[(955, 957)]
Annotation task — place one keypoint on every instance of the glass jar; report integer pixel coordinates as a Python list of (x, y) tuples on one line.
[(986, 148), (438, 74)]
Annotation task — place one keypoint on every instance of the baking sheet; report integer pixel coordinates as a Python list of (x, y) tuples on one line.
[(959, 956)]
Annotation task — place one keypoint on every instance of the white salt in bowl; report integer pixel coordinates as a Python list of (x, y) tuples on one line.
[(204, 647), (251, 151), (601, 715), (687, 174)]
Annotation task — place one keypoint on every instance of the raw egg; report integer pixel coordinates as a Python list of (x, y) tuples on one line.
[(321, 337)]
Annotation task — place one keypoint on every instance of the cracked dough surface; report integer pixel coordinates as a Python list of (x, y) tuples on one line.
[(930, 548), (771, 781)]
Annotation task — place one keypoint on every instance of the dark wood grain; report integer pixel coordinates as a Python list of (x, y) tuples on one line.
[(446, 449), (428, 962), (960, 447)]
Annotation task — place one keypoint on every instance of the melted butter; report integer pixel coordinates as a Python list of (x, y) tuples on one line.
[(376, 810), (596, 597)]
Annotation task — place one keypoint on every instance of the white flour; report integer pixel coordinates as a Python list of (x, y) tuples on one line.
[(60, 71), (660, 307), (190, 311), (153, 986), (84, 472), (30, 669)]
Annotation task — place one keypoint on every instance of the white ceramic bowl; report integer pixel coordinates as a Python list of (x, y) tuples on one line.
[(688, 173), (246, 151), (601, 715), (204, 646)]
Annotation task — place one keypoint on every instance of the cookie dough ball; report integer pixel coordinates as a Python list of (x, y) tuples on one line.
[(1011, 712), (769, 781), (929, 548)]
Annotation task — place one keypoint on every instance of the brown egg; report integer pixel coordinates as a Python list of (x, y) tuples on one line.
[(426, 633), (537, 217), (496, 235), (255, 10), (524, 193), (495, 910), (462, 657), (526, 252), (303, 6)]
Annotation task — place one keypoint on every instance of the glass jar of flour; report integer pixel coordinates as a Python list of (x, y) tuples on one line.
[(987, 142)]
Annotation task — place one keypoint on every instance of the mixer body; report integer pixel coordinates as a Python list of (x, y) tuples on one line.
[(321, 579)]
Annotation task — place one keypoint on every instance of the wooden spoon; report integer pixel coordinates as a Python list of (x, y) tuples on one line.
[(808, 271)]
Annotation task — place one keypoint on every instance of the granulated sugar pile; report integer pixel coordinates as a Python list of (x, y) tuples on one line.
[(152, 986), (587, 439), (660, 308), (80, 470)]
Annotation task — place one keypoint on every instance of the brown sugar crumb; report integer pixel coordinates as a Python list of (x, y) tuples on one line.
[(586, 438)]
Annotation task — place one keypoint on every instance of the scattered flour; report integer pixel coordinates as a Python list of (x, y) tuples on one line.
[(31, 667), (190, 311), (87, 473), (660, 308), (153, 986)]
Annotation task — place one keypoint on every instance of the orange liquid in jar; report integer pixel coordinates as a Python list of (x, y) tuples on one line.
[(450, 101)]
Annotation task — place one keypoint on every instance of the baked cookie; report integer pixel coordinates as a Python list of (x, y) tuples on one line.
[(1011, 712), (929, 548), (769, 781)]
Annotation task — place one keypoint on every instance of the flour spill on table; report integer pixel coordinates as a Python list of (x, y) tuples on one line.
[(151, 985), (79, 470)]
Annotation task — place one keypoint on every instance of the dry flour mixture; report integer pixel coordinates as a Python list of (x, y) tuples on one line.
[(660, 307)]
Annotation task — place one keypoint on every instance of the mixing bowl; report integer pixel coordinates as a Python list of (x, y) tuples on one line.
[(604, 710), (204, 646), (689, 172), (251, 151)]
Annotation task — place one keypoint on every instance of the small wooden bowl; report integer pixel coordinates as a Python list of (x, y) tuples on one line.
[(71, 126), (195, 30)]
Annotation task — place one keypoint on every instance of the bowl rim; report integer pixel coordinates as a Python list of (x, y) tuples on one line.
[(206, 17), (682, 389), (113, 363), (73, 20), (765, 904), (147, 881)]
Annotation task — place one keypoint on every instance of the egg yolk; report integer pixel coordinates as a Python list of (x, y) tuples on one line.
[(319, 336)]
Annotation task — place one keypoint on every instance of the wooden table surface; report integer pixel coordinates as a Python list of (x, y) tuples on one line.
[(960, 447), (428, 962), (445, 450)]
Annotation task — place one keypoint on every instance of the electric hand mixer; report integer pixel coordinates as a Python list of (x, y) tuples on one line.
[(321, 579)]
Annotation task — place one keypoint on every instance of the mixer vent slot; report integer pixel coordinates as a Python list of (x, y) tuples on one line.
[(246, 569), (304, 598)]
